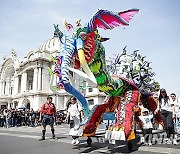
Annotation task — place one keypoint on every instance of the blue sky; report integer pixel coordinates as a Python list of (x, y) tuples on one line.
[(25, 25)]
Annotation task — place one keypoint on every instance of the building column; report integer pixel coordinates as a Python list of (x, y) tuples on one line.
[(40, 78), (0, 88), (24, 82), (13, 106), (7, 87), (15, 89), (8, 104), (35, 79), (55, 77)]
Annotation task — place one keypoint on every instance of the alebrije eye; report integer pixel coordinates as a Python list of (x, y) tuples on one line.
[(83, 35)]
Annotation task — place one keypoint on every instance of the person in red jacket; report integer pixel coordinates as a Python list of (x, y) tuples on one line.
[(47, 114)]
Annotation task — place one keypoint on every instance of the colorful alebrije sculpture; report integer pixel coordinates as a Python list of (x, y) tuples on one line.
[(131, 79)]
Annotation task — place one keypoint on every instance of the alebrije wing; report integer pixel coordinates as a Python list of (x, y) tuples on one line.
[(108, 19)]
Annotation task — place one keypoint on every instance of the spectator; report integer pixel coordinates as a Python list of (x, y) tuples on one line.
[(6, 118), (1, 118), (14, 118), (18, 118), (37, 115), (9, 120), (26, 117), (32, 116), (147, 126), (174, 101), (22, 118), (167, 109)]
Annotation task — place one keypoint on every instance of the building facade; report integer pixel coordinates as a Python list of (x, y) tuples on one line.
[(26, 83)]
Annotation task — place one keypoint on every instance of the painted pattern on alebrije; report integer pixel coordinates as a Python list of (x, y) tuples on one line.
[(96, 118), (105, 83)]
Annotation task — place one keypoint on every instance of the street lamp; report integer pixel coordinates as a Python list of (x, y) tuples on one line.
[(82, 87)]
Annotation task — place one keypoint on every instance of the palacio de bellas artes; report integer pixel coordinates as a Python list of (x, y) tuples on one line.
[(26, 83)]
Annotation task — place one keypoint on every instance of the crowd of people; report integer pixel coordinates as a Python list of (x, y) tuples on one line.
[(25, 117), (169, 108), (18, 117)]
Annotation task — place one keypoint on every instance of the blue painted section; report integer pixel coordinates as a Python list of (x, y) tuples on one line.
[(109, 116), (70, 89)]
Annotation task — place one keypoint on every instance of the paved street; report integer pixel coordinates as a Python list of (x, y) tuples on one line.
[(24, 140)]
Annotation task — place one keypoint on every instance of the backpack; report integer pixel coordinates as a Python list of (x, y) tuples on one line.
[(80, 116)]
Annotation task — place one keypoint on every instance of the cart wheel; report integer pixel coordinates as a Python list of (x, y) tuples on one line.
[(89, 141), (130, 145)]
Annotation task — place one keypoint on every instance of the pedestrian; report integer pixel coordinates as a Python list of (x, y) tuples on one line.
[(47, 114), (176, 113), (147, 127), (1, 118), (74, 110), (167, 113), (14, 117), (6, 118), (174, 100)]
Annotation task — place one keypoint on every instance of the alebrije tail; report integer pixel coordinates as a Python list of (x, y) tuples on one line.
[(70, 89)]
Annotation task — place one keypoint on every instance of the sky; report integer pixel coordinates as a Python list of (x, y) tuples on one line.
[(154, 31)]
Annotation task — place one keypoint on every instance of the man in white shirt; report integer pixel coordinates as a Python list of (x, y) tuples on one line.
[(74, 110), (176, 112), (174, 101)]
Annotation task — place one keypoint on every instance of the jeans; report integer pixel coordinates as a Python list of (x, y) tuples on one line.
[(168, 122), (6, 122), (14, 122)]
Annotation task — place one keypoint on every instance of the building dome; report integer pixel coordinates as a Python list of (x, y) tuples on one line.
[(52, 45)]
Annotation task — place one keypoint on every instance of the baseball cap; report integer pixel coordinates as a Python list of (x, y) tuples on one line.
[(49, 97), (163, 90)]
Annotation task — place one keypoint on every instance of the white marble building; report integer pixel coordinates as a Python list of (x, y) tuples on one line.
[(26, 83)]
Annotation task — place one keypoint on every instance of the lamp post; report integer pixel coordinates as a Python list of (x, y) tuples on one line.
[(82, 87)]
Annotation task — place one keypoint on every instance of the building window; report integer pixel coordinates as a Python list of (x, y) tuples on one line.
[(19, 83), (15, 105), (11, 90), (30, 75), (90, 89), (4, 87), (30, 87), (91, 102)]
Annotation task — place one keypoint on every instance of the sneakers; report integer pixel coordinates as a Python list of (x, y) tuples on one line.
[(168, 141), (42, 138), (75, 141), (149, 143), (175, 142), (112, 141), (142, 140), (53, 137)]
